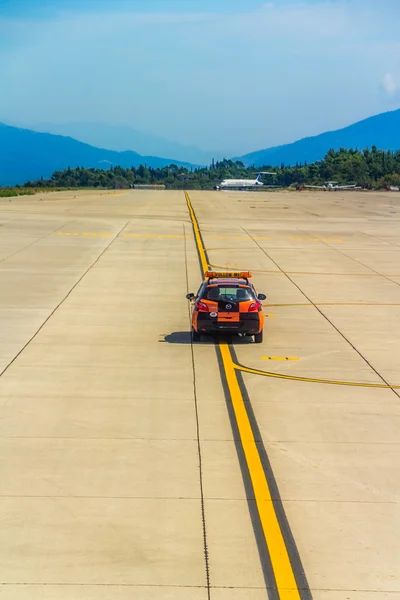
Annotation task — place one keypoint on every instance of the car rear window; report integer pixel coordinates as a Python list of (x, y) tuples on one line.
[(235, 294)]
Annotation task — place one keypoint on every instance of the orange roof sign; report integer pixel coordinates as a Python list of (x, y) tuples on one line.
[(228, 274)]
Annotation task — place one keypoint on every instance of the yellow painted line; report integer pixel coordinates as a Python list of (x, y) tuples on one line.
[(219, 249), (153, 235), (382, 386), (76, 233), (117, 193), (199, 243), (280, 358), (315, 240), (280, 560), (279, 556), (338, 304), (283, 273)]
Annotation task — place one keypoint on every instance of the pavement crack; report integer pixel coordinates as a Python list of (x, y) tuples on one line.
[(36, 241), (64, 299)]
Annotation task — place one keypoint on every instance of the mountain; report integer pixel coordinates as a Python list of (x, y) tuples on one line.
[(381, 130), (122, 138), (28, 155)]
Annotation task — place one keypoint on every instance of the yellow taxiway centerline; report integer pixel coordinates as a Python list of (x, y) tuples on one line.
[(278, 552), (284, 576)]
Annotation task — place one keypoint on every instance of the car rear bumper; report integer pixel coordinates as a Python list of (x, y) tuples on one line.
[(246, 326)]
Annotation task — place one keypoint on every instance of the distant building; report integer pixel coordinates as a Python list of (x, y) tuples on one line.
[(148, 186)]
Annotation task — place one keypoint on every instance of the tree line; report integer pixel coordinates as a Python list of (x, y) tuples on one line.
[(370, 168)]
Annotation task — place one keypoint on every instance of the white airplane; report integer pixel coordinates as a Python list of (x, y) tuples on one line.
[(243, 184), (330, 186)]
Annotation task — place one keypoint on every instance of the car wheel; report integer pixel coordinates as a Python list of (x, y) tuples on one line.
[(196, 336), (258, 338)]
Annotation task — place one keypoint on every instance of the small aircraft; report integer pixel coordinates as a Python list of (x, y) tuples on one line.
[(243, 184), (331, 186)]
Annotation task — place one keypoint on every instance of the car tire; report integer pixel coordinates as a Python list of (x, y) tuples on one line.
[(196, 336), (258, 338)]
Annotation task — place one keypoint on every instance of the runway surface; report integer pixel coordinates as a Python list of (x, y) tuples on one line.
[(135, 465)]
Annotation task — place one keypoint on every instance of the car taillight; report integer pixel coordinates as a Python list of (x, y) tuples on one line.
[(202, 307), (255, 306)]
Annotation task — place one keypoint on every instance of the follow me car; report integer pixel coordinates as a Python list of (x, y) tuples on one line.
[(227, 302)]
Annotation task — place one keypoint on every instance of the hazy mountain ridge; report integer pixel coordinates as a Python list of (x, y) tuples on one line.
[(382, 131), (121, 138), (28, 155)]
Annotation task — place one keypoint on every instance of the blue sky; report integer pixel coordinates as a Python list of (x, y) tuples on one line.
[(231, 75)]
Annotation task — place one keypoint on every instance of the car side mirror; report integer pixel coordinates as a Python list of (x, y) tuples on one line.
[(190, 296), (262, 297)]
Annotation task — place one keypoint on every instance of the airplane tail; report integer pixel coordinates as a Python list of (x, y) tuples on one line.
[(259, 178)]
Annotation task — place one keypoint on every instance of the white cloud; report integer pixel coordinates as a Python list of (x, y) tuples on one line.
[(391, 84)]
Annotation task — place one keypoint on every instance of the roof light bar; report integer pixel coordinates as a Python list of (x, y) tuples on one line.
[(228, 274)]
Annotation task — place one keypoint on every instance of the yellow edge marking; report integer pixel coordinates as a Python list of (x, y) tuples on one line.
[(382, 386), (280, 358), (280, 560), (284, 576)]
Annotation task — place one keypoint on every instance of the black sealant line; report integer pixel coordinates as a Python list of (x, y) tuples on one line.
[(263, 552), (294, 556)]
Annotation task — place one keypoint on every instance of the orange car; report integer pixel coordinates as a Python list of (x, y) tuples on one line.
[(227, 302)]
